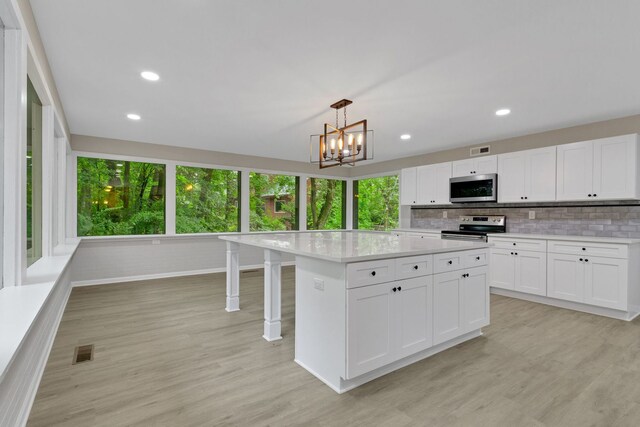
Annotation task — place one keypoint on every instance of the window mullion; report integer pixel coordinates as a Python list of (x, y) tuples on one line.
[(170, 199)]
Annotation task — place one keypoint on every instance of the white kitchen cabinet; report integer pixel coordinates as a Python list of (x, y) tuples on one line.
[(523, 271), (591, 280), (371, 320), (527, 176), (433, 184), (475, 166), (387, 322), (408, 186), (606, 282), (468, 288), (598, 170)]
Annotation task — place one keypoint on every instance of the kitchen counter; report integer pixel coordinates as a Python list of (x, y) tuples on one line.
[(350, 246), (594, 239), (418, 230)]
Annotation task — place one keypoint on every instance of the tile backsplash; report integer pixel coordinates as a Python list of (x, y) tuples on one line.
[(608, 219)]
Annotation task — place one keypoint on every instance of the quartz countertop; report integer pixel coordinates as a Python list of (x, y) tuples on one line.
[(594, 239), (418, 230), (351, 246)]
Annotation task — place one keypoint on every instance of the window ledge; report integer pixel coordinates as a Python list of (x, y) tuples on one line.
[(20, 305), (192, 235)]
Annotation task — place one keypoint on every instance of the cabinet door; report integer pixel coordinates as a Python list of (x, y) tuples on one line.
[(575, 171), (441, 183), (606, 282), (475, 305), (485, 165), (614, 167), (408, 186), (414, 314), (447, 306), (565, 277), (511, 171), (502, 267), (462, 167), (540, 175), (531, 272), (370, 328), (425, 187)]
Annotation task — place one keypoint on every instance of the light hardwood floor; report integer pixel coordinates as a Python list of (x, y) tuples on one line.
[(168, 354)]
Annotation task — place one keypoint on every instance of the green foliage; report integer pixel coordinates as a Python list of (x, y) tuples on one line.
[(206, 200), (324, 204), (120, 198), (378, 203), (264, 191)]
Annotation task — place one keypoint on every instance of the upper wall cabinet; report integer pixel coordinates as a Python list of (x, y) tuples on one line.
[(527, 176), (598, 170), (408, 186), (433, 184), (476, 166)]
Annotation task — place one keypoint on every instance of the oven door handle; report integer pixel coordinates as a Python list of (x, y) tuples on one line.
[(463, 237)]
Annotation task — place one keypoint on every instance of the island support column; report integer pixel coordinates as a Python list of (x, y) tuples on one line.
[(233, 276), (272, 295)]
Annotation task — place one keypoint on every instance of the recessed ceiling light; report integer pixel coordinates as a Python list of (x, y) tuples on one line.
[(150, 75), (405, 137), (503, 112), (133, 117)]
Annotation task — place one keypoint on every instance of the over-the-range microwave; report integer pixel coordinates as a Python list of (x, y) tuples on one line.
[(474, 188)]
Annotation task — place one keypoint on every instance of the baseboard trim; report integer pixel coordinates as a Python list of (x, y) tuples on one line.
[(142, 277), (569, 305)]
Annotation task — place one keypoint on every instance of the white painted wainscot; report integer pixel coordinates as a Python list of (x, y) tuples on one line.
[(370, 303)]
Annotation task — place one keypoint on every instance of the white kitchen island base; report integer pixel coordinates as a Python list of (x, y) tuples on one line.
[(369, 303)]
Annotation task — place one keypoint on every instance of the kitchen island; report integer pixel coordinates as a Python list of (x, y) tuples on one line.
[(368, 303)]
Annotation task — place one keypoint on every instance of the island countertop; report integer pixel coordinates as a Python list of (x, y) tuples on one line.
[(350, 246)]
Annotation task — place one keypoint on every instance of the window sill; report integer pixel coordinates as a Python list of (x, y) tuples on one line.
[(20, 305), (142, 237)]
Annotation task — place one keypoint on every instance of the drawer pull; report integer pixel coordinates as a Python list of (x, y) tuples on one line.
[(511, 253), (581, 259), (399, 288), (589, 195), (586, 260), (514, 243), (373, 273), (450, 262), (415, 267), (584, 249), (515, 253), (465, 275), (477, 258), (394, 289)]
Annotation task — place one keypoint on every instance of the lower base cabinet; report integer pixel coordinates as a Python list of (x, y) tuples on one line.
[(523, 271), (460, 303), (587, 279)]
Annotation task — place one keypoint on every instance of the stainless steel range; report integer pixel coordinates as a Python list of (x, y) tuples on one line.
[(477, 227)]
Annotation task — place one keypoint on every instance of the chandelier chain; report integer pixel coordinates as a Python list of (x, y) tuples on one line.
[(345, 116), (337, 125)]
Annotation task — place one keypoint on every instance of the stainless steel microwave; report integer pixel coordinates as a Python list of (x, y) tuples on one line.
[(474, 188)]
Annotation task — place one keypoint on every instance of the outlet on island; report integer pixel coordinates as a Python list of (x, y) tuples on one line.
[(532, 214)]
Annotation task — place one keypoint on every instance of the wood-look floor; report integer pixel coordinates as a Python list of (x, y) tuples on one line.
[(166, 353)]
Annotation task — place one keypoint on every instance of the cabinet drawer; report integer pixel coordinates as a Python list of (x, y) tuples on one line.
[(610, 250), (414, 266), (448, 262), (370, 272), (474, 258), (522, 244)]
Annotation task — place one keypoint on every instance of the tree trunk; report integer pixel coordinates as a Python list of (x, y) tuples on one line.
[(325, 211), (314, 210)]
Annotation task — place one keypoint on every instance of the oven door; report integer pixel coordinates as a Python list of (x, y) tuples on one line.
[(474, 188)]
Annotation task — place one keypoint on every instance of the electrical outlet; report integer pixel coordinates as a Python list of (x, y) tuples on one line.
[(444, 214), (532, 214), (318, 284), (155, 242)]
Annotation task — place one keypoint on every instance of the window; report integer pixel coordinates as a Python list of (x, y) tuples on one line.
[(376, 203), (325, 204), (273, 202), (120, 197), (34, 175), (206, 200)]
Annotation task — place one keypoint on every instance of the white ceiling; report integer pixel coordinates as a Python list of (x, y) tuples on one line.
[(257, 77)]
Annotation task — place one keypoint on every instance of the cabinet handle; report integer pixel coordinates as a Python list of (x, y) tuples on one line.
[(415, 267), (514, 243), (521, 198), (399, 288), (594, 194), (477, 258), (516, 253), (586, 260), (373, 273), (450, 262), (394, 289), (589, 195), (581, 259), (511, 253), (584, 249), (526, 198)]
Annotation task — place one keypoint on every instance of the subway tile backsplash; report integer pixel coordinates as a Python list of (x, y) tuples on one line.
[(608, 219)]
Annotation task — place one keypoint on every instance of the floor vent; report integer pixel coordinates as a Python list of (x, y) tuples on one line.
[(83, 353)]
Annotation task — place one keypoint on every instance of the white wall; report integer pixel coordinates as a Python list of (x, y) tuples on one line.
[(114, 259)]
